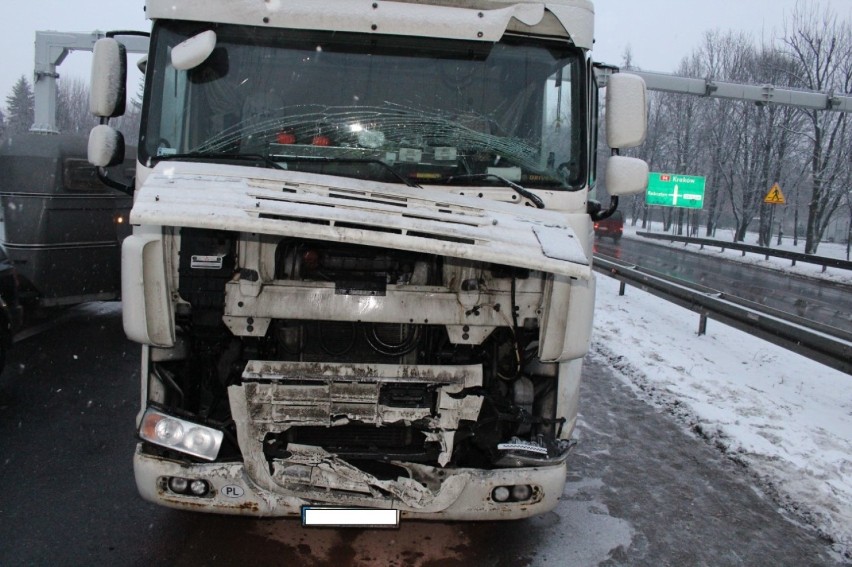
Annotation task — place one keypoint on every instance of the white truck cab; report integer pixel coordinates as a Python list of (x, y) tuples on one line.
[(360, 270)]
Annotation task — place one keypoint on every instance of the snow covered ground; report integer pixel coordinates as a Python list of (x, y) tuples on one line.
[(784, 417)]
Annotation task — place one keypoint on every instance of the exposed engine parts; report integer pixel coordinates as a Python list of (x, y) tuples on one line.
[(369, 389)]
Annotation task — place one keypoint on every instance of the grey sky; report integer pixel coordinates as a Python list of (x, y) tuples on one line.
[(659, 32)]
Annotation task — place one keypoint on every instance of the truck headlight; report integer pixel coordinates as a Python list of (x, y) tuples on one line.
[(181, 435)]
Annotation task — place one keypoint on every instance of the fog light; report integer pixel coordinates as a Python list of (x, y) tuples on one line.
[(521, 492), (500, 494), (198, 487), (178, 484)]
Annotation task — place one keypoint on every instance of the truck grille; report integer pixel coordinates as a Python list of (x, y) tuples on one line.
[(382, 412), (356, 441)]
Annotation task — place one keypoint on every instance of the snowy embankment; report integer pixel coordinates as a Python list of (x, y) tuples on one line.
[(787, 419)]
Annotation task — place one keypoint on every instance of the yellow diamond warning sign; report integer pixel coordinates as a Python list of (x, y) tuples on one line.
[(775, 196)]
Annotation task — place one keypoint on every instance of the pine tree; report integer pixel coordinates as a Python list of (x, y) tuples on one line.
[(20, 107)]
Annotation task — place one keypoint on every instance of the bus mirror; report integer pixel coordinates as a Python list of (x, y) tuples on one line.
[(106, 146), (109, 78), (626, 176), (626, 110), (194, 51)]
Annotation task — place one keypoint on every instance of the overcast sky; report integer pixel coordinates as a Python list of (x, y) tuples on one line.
[(659, 32)]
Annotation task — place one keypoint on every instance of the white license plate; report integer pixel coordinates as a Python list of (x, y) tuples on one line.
[(330, 517)]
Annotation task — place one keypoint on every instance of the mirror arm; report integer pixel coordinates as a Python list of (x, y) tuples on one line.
[(105, 179), (594, 207), (597, 213), (112, 183), (112, 34)]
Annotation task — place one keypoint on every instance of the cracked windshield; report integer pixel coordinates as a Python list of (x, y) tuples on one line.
[(395, 110)]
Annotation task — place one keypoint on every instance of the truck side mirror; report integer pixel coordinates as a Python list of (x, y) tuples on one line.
[(626, 125), (626, 176), (106, 146), (107, 98), (626, 110)]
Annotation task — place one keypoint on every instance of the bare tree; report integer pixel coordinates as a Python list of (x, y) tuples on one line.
[(821, 46), (73, 117), (723, 58), (650, 151), (130, 122), (750, 145), (778, 143), (848, 199), (72, 107), (742, 148)]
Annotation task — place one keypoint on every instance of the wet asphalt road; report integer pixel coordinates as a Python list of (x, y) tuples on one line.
[(826, 302), (642, 490)]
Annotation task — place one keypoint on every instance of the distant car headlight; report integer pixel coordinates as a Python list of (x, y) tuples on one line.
[(181, 435)]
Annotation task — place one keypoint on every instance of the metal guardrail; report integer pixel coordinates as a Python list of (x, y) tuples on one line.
[(767, 252), (825, 344)]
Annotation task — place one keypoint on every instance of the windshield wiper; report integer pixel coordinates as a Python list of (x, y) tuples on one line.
[(256, 158), (526, 193), (320, 159)]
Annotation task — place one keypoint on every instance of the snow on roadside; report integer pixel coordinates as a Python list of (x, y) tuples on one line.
[(787, 418)]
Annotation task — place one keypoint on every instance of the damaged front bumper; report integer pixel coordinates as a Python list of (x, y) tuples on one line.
[(313, 434), (461, 494)]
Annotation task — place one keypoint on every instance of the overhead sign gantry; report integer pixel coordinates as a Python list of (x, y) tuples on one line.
[(760, 94), (51, 49)]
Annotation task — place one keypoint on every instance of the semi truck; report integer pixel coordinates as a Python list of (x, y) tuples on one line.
[(361, 263)]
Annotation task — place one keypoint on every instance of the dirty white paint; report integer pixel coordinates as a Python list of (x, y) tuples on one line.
[(477, 21), (287, 203)]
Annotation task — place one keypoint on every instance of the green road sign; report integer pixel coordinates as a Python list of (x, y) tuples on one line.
[(672, 190)]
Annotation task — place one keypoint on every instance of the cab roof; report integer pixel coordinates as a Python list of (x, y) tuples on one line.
[(477, 20)]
